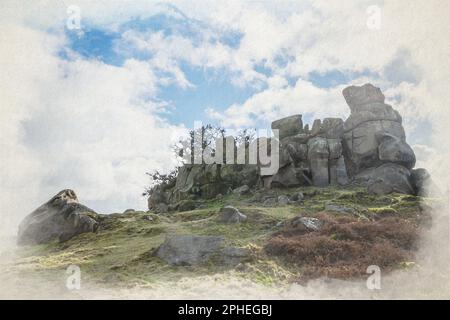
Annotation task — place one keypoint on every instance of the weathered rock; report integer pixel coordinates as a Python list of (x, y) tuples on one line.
[(186, 205), (129, 211), (232, 255), (356, 96), (371, 112), (333, 128), (287, 177), (242, 190), (296, 152), (318, 155), (300, 138), (341, 171), (288, 126), (202, 180), (230, 214), (283, 200), (362, 144), (333, 152), (421, 181), (393, 149), (61, 218), (312, 224), (189, 250), (386, 179), (338, 171), (316, 127), (334, 148), (373, 133)]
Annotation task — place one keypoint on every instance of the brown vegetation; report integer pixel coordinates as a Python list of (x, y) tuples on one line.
[(345, 246)]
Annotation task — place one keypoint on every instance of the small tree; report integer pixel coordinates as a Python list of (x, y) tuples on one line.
[(160, 179), (207, 134)]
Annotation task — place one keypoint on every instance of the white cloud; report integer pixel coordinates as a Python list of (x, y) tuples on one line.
[(275, 102), (76, 124)]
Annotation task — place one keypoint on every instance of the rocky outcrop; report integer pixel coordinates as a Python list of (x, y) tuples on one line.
[(368, 148), (61, 218), (373, 133), (375, 148)]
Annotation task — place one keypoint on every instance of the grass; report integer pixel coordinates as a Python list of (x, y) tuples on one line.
[(120, 253)]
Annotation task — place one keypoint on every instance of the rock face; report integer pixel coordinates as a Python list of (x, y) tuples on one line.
[(192, 250), (61, 218), (421, 180), (288, 126), (387, 178), (374, 142), (373, 134), (368, 148), (189, 249)]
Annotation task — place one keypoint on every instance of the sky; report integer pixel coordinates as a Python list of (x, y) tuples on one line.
[(93, 94)]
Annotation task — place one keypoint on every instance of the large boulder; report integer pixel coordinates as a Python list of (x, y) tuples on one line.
[(318, 155), (189, 249), (387, 178), (373, 133), (338, 171), (421, 181), (230, 214), (60, 218), (288, 177), (203, 180), (332, 128), (356, 96), (393, 149), (288, 126)]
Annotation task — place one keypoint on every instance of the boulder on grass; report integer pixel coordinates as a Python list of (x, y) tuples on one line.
[(189, 250), (230, 214), (61, 218), (193, 250), (387, 178)]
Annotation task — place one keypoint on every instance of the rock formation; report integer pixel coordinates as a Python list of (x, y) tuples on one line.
[(374, 141), (61, 218), (192, 250), (368, 148)]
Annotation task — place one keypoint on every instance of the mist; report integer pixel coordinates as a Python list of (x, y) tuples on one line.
[(61, 129)]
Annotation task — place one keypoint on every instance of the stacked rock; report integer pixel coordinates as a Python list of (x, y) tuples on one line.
[(309, 157), (374, 141), (369, 148)]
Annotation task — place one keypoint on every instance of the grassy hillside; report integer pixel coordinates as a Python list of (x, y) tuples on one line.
[(120, 253)]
